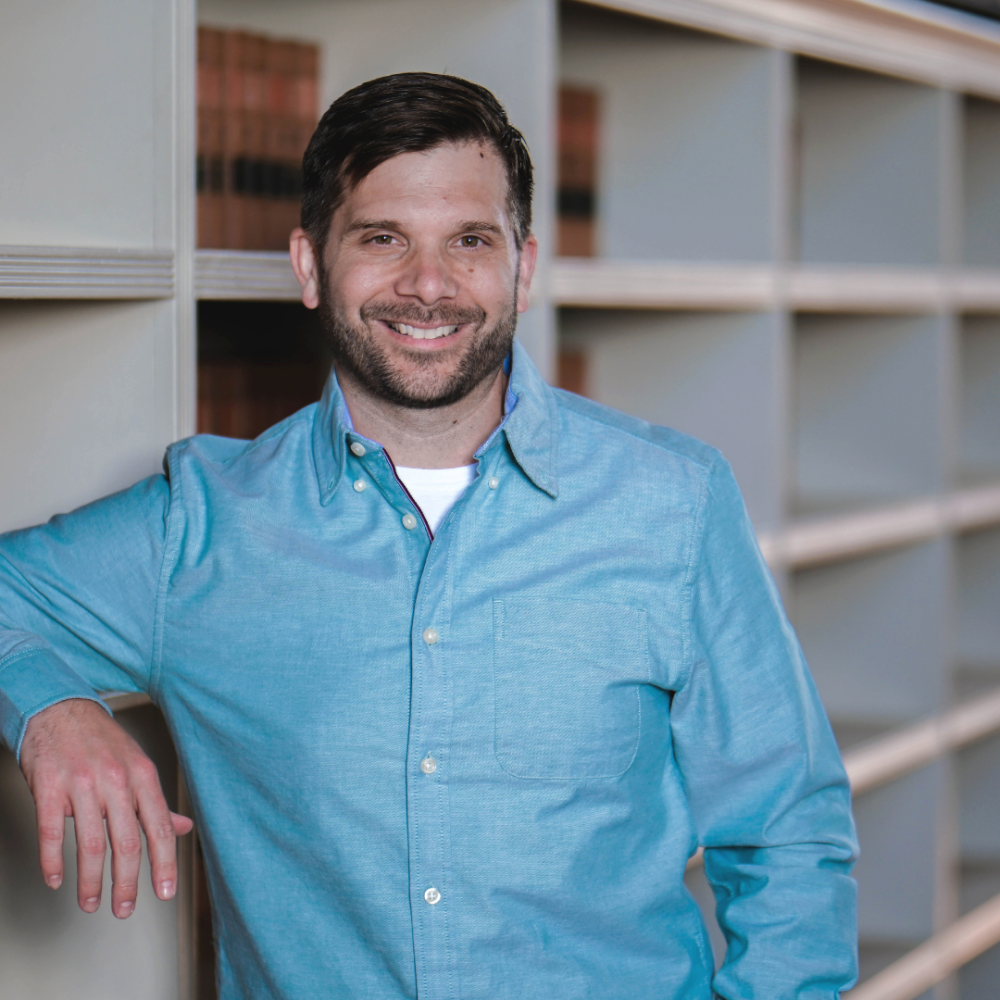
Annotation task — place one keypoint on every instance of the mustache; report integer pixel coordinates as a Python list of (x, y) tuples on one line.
[(406, 312)]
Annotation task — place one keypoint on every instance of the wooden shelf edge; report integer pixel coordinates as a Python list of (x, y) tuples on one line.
[(940, 47), (601, 283), (827, 540), (245, 274), (85, 273)]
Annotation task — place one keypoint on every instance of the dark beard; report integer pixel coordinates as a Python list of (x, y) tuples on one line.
[(356, 350)]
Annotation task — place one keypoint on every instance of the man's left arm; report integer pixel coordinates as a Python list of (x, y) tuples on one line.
[(763, 776)]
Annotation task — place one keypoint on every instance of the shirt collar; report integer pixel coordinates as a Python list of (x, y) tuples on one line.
[(529, 428)]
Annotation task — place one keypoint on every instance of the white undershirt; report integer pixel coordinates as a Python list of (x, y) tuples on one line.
[(436, 490)]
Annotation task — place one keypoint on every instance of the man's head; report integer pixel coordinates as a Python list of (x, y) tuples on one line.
[(415, 240)]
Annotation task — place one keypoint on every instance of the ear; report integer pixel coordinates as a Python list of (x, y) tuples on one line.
[(305, 263), (526, 270)]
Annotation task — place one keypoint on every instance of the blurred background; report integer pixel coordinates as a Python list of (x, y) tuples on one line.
[(773, 224)]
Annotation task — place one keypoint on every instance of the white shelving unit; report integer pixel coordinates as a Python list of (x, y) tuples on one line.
[(799, 261)]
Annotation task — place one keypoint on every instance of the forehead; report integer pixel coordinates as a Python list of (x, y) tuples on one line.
[(446, 179)]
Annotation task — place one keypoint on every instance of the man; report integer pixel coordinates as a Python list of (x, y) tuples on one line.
[(461, 669)]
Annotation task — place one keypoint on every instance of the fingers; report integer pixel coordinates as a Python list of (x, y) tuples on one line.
[(126, 854), (91, 846), (51, 819), (161, 839)]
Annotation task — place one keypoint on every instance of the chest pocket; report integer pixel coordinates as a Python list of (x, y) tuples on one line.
[(566, 678)]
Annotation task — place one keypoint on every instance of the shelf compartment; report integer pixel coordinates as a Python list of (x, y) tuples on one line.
[(687, 137), (867, 420), (257, 364), (978, 568), (981, 182), (86, 399), (875, 632), (868, 166), (979, 445), (713, 375)]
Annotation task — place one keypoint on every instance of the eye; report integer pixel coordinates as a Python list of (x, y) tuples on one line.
[(382, 240), (470, 241)]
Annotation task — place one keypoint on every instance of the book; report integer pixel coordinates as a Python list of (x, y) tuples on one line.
[(209, 170), (577, 171), (257, 108)]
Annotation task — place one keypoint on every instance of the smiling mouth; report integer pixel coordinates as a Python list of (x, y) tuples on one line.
[(419, 333)]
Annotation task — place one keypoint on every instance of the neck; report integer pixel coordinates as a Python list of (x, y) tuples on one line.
[(440, 438)]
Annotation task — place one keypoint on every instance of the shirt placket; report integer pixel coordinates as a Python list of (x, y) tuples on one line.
[(430, 729)]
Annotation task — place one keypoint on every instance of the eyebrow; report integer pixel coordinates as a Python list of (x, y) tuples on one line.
[(394, 226)]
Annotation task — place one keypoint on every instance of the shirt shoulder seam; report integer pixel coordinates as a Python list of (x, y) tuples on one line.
[(707, 464)]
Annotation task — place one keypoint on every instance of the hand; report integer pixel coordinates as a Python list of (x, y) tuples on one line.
[(79, 762)]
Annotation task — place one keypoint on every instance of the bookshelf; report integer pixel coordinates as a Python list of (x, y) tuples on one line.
[(797, 258)]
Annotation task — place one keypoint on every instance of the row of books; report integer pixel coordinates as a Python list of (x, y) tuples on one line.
[(577, 172), (257, 108)]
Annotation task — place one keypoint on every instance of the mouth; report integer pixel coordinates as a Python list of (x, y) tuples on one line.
[(422, 333)]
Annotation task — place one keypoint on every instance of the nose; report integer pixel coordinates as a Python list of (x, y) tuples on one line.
[(427, 276)]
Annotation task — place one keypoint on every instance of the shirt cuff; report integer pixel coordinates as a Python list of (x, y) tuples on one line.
[(30, 681)]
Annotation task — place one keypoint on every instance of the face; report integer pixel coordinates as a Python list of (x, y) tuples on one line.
[(423, 278)]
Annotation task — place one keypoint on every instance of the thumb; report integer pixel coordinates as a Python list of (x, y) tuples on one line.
[(182, 824)]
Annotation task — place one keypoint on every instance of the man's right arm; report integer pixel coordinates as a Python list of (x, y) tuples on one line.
[(77, 611)]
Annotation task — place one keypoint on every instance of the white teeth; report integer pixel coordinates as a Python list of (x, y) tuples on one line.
[(417, 333)]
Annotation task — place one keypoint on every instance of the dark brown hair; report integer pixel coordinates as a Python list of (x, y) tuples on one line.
[(406, 113)]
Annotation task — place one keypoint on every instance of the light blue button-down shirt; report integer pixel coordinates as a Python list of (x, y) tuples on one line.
[(610, 682)]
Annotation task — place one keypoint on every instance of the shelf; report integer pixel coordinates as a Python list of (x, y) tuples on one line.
[(809, 543), (245, 274), (914, 40), (71, 273), (600, 283), (68, 273)]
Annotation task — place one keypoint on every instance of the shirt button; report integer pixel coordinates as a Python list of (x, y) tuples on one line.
[(359, 485), (431, 636), (494, 482), (409, 522), (358, 449), (428, 765), (432, 896)]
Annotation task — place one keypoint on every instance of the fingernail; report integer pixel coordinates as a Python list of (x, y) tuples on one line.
[(92, 903), (166, 890), (54, 881), (124, 909)]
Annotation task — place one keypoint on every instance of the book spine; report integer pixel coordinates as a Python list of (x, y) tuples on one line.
[(577, 173), (235, 161), (209, 166)]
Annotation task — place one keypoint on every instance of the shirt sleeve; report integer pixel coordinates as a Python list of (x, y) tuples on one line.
[(77, 604), (766, 786)]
